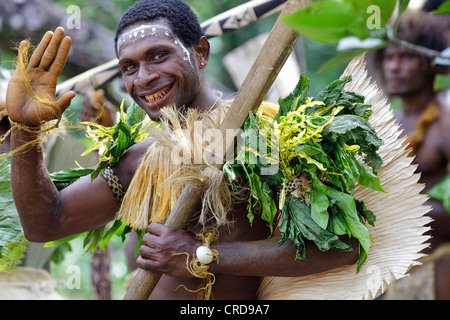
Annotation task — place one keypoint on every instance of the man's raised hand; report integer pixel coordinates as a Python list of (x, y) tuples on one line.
[(30, 98)]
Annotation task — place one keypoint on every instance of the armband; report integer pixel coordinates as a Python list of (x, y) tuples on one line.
[(114, 183)]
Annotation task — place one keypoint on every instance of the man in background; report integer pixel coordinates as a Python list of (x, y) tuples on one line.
[(424, 116)]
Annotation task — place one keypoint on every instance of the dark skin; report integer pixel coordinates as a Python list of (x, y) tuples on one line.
[(97, 109), (150, 66), (4, 127), (409, 77)]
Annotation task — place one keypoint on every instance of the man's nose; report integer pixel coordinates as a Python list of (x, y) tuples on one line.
[(393, 64), (145, 76)]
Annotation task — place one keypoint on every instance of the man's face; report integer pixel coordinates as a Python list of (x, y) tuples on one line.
[(404, 73), (158, 70)]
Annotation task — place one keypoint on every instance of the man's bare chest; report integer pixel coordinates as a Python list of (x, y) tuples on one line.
[(430, 154)]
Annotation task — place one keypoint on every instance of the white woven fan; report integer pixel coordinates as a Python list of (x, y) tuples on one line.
[(400, 225)]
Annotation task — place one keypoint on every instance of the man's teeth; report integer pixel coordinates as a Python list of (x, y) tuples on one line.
[(156, 96)]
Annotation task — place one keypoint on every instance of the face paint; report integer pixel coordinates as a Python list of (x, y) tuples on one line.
[(151, 31)]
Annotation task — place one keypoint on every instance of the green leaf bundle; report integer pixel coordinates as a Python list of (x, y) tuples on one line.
[(312, 147)]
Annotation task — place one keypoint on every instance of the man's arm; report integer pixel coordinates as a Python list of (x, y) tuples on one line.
[(45, 213), (266, 258), (244, 258)]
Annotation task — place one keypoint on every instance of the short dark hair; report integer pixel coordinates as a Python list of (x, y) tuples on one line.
[(182, 20)]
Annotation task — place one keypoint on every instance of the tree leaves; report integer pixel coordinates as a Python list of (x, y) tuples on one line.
[(354, 226), (329, 21), (297, 96), (112, 142), (263, 195), (336, 18), (355, 26)]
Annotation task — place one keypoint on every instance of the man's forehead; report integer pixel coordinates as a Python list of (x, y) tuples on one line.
[(157, 29), (159, 21), (398, 49), (145, 29)]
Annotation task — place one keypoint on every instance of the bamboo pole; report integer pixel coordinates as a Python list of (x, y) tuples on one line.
[(260, 78)]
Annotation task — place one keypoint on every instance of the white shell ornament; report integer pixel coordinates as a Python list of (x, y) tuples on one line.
[(204, 255)]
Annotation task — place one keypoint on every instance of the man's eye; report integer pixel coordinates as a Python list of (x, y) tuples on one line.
[(159, 56), (130, 67), (409, 56)]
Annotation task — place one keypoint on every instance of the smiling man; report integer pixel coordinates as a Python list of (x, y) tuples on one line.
[(165, 73), (162, 55)]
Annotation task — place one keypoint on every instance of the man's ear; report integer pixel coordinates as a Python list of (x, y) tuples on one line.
[(202, 52)]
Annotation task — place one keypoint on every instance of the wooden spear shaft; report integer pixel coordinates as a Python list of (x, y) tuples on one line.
[(265, 69)]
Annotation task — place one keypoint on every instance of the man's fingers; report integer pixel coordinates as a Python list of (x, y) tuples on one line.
[(51, 51), (150, 240), (64, 102), (156, 228), (61, 57), (40, 49), (148, 264)]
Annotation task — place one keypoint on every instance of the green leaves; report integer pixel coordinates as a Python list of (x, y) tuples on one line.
[(355, 26), (12, 240), (297, 224), (335, 17), (112, 142), (329, 21), (353, 225), (65, 177), (319, 209), (444, 8), (441, 192), (263, 195), (355, 130), (317, 142), (296, 97)]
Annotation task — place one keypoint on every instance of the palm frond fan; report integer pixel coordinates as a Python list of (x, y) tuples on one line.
[(398, 234)]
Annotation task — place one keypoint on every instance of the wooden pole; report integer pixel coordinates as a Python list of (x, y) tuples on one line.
[(260, 78)]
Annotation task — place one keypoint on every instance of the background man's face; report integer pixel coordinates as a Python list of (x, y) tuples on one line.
[(404, 73)]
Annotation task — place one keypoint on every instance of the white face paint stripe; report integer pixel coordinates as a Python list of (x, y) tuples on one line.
[(150, 30)]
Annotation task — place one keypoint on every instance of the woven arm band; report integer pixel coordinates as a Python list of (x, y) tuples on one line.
[(114, 183)]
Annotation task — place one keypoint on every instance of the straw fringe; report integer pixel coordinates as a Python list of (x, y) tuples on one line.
[(400, 226), (173, 160)]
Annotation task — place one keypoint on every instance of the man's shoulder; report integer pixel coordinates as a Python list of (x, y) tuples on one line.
[(137, 151), (130, 160)]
